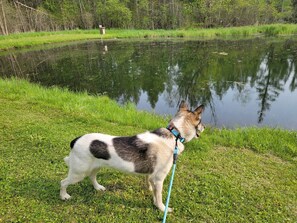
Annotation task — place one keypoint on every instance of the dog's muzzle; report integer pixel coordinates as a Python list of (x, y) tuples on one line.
[(199, 130)]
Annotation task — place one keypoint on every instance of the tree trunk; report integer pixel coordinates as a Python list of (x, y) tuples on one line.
[(3, 24), (81, 14), (20, 16)]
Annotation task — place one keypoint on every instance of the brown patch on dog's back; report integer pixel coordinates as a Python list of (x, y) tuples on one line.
[(132, 149), (162, 132)]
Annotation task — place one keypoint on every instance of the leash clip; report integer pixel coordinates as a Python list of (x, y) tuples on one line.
[(175, 154)]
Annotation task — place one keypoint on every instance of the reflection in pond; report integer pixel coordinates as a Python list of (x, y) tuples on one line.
[(248, 82)]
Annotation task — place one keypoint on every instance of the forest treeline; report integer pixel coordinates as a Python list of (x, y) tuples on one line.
[(49, 15)]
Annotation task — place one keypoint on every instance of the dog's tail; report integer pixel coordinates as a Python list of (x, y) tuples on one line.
[(66, 159)]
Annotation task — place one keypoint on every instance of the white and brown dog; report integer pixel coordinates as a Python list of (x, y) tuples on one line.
[(149, 153)]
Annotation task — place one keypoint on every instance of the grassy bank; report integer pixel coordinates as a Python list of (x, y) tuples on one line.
[(38, 38), (243, 175)]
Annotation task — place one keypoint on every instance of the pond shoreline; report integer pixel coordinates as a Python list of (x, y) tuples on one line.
[(280, 142), (23, 40), (254, 77)]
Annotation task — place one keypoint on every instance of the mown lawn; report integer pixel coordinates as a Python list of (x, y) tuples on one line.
[(21, 40), (241, 175)]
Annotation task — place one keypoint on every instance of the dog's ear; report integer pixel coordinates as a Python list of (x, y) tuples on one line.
[(199, 110), (183, 106)]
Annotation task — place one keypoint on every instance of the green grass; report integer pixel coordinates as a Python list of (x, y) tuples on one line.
[(38, 38), (241, 175)]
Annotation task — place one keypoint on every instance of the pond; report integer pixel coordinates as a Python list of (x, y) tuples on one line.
[(241, 83)]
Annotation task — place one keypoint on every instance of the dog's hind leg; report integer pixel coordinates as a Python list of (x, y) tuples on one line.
[(71, 179), (94, 180), (66, 160), (149, 184)]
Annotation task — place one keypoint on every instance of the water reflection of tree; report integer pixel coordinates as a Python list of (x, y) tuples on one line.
[(293, 84), (273, 73), (189, 72), (292, 65), (153, 65), (205, 74)]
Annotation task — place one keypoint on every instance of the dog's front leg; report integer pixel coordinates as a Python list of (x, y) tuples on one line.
[(158, 187)]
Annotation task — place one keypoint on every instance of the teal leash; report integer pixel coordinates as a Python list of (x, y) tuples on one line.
[(175, 153)]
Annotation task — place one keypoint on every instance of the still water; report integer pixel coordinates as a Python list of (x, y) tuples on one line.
[(242, 83)]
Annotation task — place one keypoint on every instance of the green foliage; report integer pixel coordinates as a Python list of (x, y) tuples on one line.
[(144, 14), (294, 11), (114, 13), (69, 14), (52, 6)]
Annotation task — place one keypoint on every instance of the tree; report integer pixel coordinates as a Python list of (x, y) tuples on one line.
[(294, 14), (39, 15), (114, 13), (3, 23)]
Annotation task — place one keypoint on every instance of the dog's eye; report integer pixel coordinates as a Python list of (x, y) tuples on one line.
[(197, 126)]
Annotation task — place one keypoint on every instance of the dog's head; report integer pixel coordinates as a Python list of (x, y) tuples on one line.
[(189, 122)]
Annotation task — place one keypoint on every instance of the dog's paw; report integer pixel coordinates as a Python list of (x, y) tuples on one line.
[(162, 208), (150, 188), (100, 187), (170, 210), (65, 197)]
